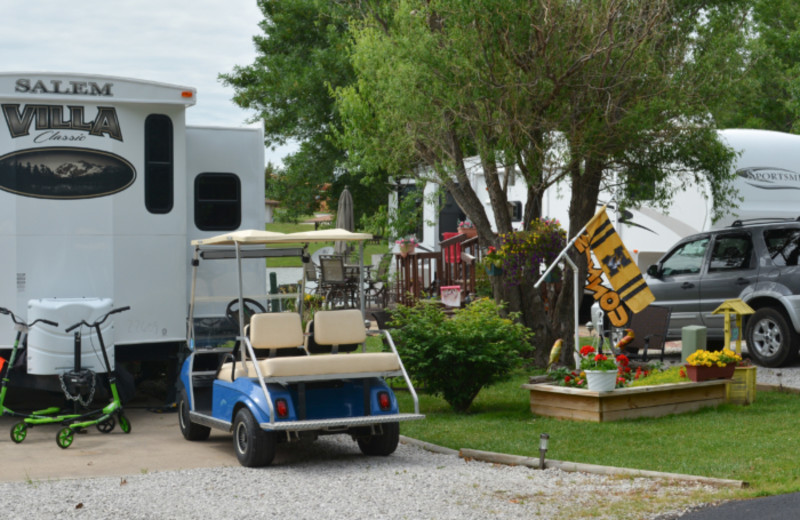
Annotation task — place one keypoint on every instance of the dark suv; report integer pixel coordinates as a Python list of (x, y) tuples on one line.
[(754, 261)]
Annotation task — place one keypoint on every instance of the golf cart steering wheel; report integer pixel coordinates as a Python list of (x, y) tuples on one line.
[(250, 307)]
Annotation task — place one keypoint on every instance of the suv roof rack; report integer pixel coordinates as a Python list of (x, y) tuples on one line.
[(763, 220)]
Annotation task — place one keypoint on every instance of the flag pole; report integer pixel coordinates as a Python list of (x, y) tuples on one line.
[(576, 293)]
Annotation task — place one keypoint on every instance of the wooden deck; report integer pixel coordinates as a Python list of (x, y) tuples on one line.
[(421, 274)]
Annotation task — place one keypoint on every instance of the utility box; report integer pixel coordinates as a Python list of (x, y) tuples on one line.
[(693, 338)]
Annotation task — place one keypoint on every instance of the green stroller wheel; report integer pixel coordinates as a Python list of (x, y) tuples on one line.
[(64, 437), (18, 432), (106, 426)]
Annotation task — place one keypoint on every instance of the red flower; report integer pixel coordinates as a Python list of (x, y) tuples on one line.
[(586, 350), (566, 379), (682, 372), (600, 357), (623, 360)]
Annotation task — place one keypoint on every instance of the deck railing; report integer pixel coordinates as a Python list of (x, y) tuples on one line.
[(422, 274)]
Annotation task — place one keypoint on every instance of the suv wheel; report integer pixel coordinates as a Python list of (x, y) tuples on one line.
[(770, 339)]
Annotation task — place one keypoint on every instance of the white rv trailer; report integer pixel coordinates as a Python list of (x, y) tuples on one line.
[(768, 181), (102, 187)]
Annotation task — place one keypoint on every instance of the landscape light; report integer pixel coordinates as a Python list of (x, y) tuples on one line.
[(543, 438)]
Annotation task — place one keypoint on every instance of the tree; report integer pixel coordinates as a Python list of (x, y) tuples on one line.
[(589, 91), (301, 56), (764, 49)]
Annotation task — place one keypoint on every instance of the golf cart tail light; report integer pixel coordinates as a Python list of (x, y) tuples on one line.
[(282, 408), (383, 401)]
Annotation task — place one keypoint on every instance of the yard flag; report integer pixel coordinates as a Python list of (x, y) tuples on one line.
[(617, 264)]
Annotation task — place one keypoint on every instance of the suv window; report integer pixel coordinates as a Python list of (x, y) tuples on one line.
[(731, 252), (783, 245), (686, 259)]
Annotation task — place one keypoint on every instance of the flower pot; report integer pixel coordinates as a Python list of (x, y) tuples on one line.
[(407, 249), (469, 232), (493, 270), (703, 373), (601, 380)]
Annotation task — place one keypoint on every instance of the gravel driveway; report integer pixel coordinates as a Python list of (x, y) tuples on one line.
[(331, 479)]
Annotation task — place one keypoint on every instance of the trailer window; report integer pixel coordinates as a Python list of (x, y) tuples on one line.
[(217, 202), (158, 164)]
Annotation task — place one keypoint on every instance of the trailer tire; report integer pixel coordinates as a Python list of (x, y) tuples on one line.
[(253, 446), (191, 431), (382, 444), (770, 338)]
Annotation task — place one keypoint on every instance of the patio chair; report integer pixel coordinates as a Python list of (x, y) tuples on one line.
[(650, 332), (334, 283)]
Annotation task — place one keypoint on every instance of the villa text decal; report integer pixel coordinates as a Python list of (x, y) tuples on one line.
[(52, 122)]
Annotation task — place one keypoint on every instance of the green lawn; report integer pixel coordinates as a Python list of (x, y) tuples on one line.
[(751, 443)]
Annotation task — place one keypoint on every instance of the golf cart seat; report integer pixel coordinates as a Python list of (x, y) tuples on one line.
[(332, 330), (270, 331), (269, 334)]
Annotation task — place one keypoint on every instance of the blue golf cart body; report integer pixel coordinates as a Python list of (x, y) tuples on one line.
[(277, 381)]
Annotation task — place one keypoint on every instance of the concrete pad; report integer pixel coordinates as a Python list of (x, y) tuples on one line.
[(154, 444)]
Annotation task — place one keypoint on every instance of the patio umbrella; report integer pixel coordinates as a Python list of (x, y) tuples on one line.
[(344, 218)]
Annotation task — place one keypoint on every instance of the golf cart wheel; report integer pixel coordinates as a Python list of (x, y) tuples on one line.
[(770, 339), (124, 423), (191, 431), (64, 437), (383, 443), (253, 446), (106, 426), (18, 432)]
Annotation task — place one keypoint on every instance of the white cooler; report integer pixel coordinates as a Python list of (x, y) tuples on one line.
[(51, 351)]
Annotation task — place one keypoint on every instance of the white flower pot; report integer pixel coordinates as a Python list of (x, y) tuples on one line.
[(601, 380)]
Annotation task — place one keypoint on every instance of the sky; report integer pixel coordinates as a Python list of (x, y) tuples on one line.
[(187, 43)]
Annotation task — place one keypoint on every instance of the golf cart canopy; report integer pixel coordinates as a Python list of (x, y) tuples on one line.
[(256, 237)]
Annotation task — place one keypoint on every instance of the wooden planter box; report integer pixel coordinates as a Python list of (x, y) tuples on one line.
[(742, 388), (624, 403)]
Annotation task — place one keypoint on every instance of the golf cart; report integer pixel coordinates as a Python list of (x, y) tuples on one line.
[(274, 380)]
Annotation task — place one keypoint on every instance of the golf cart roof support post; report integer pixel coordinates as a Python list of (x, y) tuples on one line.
[(302, 296), (361, 299), (190, 324), (241, 298), (267, 397), (403, 370)]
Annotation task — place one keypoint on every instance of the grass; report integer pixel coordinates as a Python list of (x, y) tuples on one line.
[(284, 227), (752, 443)]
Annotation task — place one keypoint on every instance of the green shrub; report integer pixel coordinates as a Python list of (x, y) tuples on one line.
[(457, 356)]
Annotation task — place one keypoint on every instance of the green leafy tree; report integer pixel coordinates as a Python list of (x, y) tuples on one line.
[(301, 56), (578, 91), (764, 48)]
